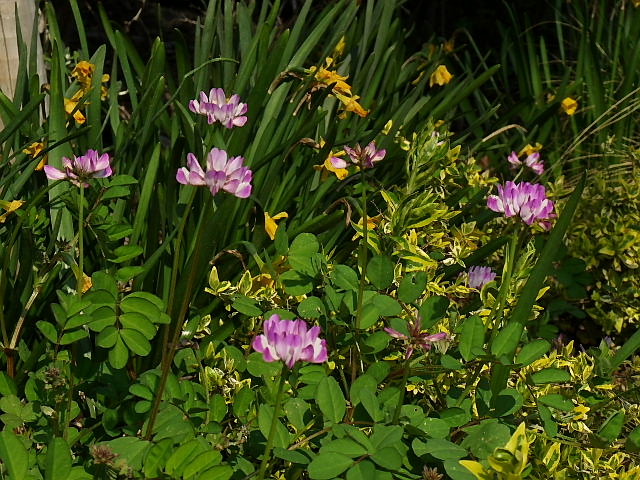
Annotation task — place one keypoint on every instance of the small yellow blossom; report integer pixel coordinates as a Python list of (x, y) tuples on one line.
[(70, 105), (34, 150), (449, 46), (270, 225), (339, 50), (87, 283), (350, 104), (328, 167), (372, 223), (104, 91), (530, 149), (9, 208), (441, 76), (83, 72), (569, 106), (387, 127), (328, 77)]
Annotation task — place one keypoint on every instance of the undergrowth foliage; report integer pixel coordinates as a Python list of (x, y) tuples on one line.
[(353, 294)]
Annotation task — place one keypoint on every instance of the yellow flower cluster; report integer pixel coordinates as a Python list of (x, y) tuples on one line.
[(325, 77), (83, 73)]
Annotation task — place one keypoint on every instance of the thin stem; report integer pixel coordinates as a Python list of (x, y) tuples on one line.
[(362, 260), (403, 386), (80, 277), (504, 285), (274, 421)]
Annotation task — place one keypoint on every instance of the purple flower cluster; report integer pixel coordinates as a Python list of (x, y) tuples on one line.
[(230, 112), (480, 276), (82, 168), (532, 161), (223, 173), (527, 200), (417, 338), (290, 341), (365, 157)]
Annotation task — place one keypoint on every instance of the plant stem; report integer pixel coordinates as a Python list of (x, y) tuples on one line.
[(504, 285), (403, 386), (274, 421), (362, 260), (80, 278)]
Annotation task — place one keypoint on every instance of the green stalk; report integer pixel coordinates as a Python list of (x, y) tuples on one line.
[(362, 260), (403, 386), (80, 279), (504, 285), (272, 428)]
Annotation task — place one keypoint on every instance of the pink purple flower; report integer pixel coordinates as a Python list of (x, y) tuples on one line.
[(417, 338), (480, 276), (230, 112), (82, 168), (290, 341), (223, 173), (532, 161), (527, 200), (365, 157)]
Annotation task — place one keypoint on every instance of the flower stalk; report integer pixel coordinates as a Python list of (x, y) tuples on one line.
[(274, 421), (80, 274)]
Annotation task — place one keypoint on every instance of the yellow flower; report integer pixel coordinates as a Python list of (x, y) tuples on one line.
[(34, 150), (328, 167), (530, 149), (83, 72), (104, 91), (569, 106), (372, 223), (350, 104), (270, 225), (10, 207), (87, 283), (70, 105), (449, 46), (339, 50), (441, 76), (636, 3), (328, 77)]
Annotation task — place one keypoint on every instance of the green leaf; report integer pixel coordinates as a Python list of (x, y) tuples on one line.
[(380, 271), (370, 316), (386, 305), (202, 462), (388, 457), (472, 338), (484, 438), (376, 342), (139, 322), (182, 457), (257, 367), (7, 385), (119, 354), (145, 306), (73, 336), (14, 455), (438, 448), (432, 310), (412, 286), (558, 401), (311, 307), (328, 465), (136, 341), (48, 330), (612, 427), (364, 470), (507, 339), (331, 399), (550, 375), (295, 283), (108, 337), (246, 305), (265, 416), (293, 456), (346, 446), (532, 351), (126, 253), (548, 422), (434, 427), (58, 462), (346, 278)]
